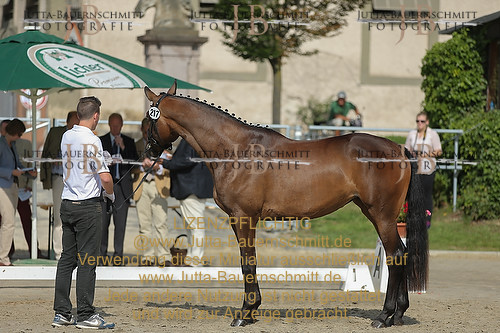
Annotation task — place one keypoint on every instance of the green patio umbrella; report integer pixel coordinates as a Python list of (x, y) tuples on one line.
[(34, 60)]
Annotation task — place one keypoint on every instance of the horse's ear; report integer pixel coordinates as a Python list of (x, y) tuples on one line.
[(173, 88), (149, 94)]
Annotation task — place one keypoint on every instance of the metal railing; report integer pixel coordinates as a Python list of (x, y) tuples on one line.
[(41, 123), (295, 132), (286, 128)]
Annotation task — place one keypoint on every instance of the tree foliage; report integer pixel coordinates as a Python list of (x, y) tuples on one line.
[(454, 83), (315, 111), (324, 18), (481, 183), (455, 97)]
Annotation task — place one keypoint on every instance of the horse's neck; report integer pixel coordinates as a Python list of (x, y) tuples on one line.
[(209, 130)]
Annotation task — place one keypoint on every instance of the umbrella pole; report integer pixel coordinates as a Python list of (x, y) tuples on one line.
[(34, 234)]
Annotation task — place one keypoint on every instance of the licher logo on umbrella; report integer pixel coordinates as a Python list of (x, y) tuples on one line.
[(81, 69)]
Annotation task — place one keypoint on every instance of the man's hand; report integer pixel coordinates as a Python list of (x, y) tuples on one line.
[(147, 163), (119, 142), (33, 173), (110, 199), (109, 196), (16, 172)]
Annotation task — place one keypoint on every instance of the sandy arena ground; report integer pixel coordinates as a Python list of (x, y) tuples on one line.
[(463, 296)]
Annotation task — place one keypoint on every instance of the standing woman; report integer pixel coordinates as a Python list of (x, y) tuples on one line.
[(9, 171), (424, 144)]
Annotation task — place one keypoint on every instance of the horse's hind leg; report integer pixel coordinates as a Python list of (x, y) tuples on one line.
[(246, 232), (402, 300), (396, 300)]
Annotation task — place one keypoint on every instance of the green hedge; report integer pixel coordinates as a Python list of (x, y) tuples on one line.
[(455, 97), (480, 184), (454, 83)]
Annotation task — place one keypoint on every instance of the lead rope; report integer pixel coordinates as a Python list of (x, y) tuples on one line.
[(153, 115), (146, 173)]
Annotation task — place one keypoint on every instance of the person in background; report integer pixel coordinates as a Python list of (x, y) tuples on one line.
[(85, 176), (191, 184), (4, 124), (151, 203), (121, 145), (51, 175), (339, 111), (24, 149), (10, 170), (424, 144)]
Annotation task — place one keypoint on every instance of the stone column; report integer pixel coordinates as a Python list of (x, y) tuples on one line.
[(175, 52)]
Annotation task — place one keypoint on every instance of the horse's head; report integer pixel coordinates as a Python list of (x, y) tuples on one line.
[(160, 133)]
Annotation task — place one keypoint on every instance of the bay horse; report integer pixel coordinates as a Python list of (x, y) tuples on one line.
[(324, 176)]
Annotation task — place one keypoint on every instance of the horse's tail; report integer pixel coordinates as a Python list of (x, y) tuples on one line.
[(417, 241)]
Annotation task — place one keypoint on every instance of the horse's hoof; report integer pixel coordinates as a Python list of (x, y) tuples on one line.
[(239, 322), (397, 321), (377, 323)]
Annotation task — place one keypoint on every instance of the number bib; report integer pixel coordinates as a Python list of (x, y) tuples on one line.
[(154, 113)]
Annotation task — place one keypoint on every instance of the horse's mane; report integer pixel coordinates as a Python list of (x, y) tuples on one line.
[(224, 112)]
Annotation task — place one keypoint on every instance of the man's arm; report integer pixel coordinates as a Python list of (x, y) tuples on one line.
[(181, 159), (48, 144), (107, 182), (104, 174), (353, 107)]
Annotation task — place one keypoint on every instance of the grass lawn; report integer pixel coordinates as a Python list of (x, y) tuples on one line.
[(397, 138), (449, 231)]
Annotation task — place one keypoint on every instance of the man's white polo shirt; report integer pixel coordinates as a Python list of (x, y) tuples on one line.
[(83, 160)]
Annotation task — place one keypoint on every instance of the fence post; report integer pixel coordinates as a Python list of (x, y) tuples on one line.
[(455, 173), (298, 132)]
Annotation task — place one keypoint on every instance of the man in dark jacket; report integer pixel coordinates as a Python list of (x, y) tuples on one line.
[(191, 184), (118, 144)]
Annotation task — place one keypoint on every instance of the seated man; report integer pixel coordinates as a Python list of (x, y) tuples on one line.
[(339, 110)]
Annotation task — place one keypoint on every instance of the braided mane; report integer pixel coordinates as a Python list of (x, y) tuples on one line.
[(219, 109)]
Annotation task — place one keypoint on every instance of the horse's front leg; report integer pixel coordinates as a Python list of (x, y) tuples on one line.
[(246, 239)]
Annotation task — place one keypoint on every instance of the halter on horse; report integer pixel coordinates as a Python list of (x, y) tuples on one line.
[(324, 176)]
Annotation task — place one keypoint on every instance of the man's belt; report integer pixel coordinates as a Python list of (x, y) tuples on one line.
[(96, 199)]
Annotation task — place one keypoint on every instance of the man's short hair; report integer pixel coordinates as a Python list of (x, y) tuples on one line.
[(115, 115), (70, 115), (15, 127), (87, 107), (4, 124)]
